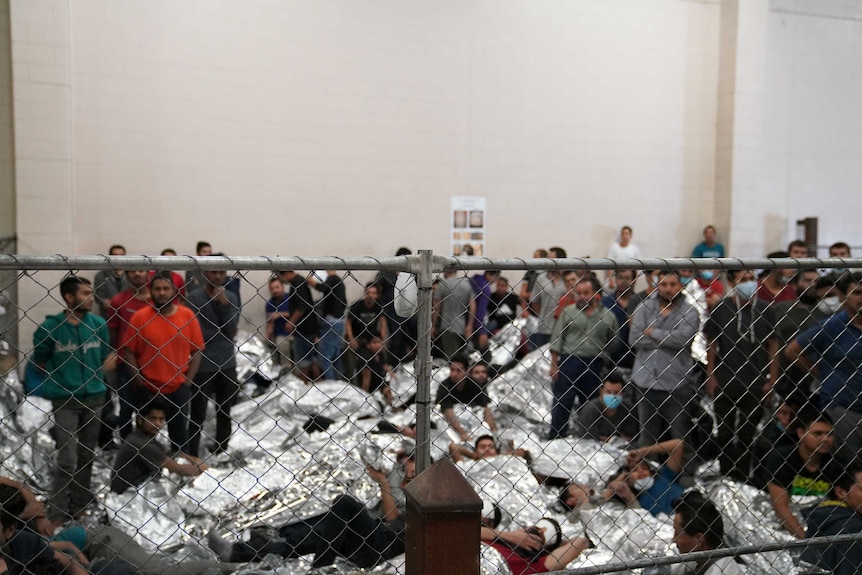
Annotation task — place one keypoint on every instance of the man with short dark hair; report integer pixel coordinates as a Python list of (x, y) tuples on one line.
[(142, 457), (195, 278), (776, 285), (797, 249), (548, 289), (741, 369), (698, 526), (303, 326), (841, 514), (162, 348), (663, 328), (806, 469), (833, 351), (217, 311), (72, 349), (709, 247), (458, 388), (580, 341), (609, 415), (454, 311), (622, 303), (365, 319), (109, 283)]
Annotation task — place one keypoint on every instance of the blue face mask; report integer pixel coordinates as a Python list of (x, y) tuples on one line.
[(746, 289), (779, 426), (612, 401), (707, 275), (685, 280)]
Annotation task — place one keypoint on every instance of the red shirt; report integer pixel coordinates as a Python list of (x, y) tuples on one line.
[(163, 346), (787, 293), (519, 564), (121, 308)]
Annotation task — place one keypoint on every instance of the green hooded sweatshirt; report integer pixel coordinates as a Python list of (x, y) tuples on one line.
[(72, 356)]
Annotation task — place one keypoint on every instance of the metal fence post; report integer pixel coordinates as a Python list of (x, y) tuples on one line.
[(424, 280)]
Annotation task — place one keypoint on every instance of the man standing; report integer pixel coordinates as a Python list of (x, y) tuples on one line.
[(195, 278), (775, 285), (454, 310), (109, 283), (581, 338), (663, 329), (741, 368), (548, 289), (217, 311), (333, 303), (833, 351), (622, 304), (708, 248), (303, 326), (72, 348), (122, 307), (162, 349), (277, 310)]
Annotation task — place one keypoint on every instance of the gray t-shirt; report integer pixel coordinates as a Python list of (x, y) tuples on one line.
[(455, 295), (547, 294), (593, 422), (138, 460), (219, 325)]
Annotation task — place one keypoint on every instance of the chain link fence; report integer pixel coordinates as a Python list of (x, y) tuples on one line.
[(259, 414)]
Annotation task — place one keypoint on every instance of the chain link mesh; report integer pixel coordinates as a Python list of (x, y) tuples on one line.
[(609, 419)]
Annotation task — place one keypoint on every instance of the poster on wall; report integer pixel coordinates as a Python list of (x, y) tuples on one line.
[(468, 226)]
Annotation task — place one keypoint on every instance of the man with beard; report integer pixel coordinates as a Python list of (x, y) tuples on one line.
[(622, 304), (162, 349), (740, 356), (122, 307), (71, 348), (663, 329), (303, 325), (458, 388), (775, 285), (580, 340)]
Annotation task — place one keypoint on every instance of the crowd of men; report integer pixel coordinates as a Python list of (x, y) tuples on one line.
[(624, 364)]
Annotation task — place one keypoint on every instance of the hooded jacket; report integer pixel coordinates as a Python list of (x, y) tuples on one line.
[(834, 518)]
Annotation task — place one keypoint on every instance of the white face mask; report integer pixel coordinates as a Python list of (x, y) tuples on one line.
[(830, 305), (643, 484)]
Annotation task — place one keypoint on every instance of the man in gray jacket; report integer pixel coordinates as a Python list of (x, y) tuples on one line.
[(663, 328)]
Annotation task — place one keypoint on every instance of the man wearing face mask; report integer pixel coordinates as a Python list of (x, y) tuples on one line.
[(740, 358), (582, 337), (775, 285), (608, 415), (639, 483), (832, 352)]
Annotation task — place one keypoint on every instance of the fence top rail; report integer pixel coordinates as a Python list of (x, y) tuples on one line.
[(405, 263)]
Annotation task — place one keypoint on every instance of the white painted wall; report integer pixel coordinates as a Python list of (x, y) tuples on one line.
[(814, 115)]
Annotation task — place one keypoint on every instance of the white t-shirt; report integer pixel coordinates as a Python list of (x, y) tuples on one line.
[(722, 566), (618, 252)]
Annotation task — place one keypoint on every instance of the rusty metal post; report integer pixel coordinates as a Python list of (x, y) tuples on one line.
[(443, 523), (424, 280)]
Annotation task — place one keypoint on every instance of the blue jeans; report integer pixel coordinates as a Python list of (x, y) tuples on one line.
[(579, 378), (329, 348)]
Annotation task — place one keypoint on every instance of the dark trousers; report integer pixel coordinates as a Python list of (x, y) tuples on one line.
[(347, 530), (176, 406), (221, 387), (579, 379), (737, 412)]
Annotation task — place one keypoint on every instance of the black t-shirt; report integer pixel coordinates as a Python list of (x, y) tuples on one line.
[(333, 302), (787, 469), (502, 308), (21, 549), (741, 336), (300, 299), (472, 394), (374, 363), (139, 459), (364, 320)]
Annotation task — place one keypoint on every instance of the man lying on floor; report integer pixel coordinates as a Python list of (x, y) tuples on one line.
[(348, 529)]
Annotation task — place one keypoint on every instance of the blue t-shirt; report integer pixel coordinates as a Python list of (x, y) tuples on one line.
[(702, 250), (659, 498), (836, 347), (280, 323)]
